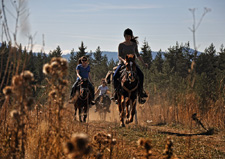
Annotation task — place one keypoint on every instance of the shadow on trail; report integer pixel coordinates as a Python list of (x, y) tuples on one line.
[(208, 132)]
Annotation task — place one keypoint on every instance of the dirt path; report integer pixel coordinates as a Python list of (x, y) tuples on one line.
[(186, 143)]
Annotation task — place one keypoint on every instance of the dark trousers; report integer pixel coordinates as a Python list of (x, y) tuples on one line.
[(116, 76), (90, 86)]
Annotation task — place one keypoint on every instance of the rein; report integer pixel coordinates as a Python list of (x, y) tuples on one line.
[(129, 91), (84, 98)]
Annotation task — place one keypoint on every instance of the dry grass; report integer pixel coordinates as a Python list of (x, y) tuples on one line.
[(48, 131)]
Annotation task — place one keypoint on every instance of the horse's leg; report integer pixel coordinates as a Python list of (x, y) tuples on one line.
[(75, 112), (84, 114), (80, 114), (127, 111), (133, 110), (121, 108), (127, 107)]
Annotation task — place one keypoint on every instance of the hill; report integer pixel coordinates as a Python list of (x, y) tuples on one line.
[(110, 55)]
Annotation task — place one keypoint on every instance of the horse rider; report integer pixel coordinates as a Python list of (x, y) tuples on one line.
[(129, 46), (102, 90), (83, 71)]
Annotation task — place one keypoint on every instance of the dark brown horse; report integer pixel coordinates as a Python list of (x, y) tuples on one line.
[(82, 100), (127, 97), (102, 103)]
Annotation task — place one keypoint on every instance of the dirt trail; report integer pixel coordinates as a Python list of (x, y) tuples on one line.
[(186, 143)]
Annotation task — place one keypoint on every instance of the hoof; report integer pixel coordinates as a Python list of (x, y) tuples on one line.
[(127, 121), (131, 120), (122, 125)]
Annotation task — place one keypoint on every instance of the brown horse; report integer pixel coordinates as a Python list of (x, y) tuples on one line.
[(102, 103), (127, 97), (82, 100)]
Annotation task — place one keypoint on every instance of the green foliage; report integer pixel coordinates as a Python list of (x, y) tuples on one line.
[(168, 76), (56, 53), (146, 53), (99, 66)]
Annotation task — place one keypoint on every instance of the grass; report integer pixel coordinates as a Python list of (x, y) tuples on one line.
[(42, 131)]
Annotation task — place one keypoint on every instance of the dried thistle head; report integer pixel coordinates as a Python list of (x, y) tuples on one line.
[(78, 146), (27, 76), (52, 94), (15, 115), (68, 147), (7, 91), (80, 141), (64, 64), (55, 66), (47, 69), (146, 143), (56, 59), (17, 81), (102, 138)]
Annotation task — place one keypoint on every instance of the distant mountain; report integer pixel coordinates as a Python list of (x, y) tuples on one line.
[(114, 55), (110, 55)]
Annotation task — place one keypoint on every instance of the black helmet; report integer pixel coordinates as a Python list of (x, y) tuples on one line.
[(128, 32)]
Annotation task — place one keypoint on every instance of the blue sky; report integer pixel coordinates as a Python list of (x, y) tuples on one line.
[(101, 23)]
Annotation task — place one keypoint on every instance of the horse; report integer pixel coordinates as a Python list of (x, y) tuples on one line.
[(103, 103), (127, 96), (82, 100)]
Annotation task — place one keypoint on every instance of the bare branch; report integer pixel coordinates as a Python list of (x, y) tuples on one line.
[(206, 10), (5, 22), (194, 27)]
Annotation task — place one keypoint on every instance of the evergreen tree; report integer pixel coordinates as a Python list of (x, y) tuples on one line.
[(73, 61), (221, 58), (158, 61), (99, 65), (176, 61), (146, 53), (56, 53), (82, 51)]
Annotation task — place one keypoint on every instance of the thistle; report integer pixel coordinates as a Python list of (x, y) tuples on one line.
[(145, 143), (77, 146)]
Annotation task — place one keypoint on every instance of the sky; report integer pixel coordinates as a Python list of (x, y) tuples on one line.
[(162, 23)]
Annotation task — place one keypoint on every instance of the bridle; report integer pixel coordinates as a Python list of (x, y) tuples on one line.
[(130, 80)]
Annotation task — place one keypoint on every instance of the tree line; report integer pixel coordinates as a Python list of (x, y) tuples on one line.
[(178, 71)]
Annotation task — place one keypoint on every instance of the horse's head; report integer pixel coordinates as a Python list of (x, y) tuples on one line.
[(84, 88), (130, 67)]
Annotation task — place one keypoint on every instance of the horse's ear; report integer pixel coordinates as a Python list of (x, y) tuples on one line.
[(133, 57), (126, 58)]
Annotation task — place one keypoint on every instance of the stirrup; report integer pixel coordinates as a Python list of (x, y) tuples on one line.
[(92, 103), (141, 101), (143, 94)]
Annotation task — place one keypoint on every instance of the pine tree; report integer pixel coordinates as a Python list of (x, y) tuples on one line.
[(82, 51), (99, 65), (56, 53), (158, 61), (146, 53), (73, 61)]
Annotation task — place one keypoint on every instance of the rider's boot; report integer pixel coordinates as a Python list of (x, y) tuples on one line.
[(141, 100), (142, 94)]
